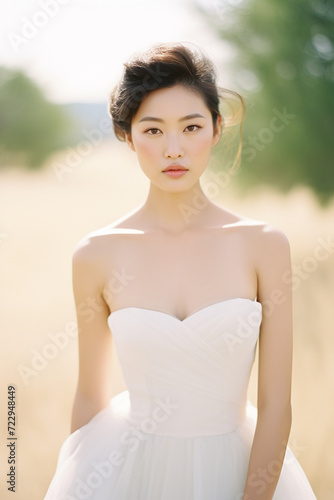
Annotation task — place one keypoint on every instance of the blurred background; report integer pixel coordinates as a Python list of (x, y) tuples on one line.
[(63, 174)]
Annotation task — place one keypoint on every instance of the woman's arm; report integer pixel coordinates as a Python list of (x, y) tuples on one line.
[(95, 342), (275, 366)]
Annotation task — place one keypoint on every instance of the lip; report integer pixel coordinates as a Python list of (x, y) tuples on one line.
[(174, 168), (175, 171)]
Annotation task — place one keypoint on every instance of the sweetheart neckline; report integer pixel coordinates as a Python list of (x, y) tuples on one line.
[(202, 309)]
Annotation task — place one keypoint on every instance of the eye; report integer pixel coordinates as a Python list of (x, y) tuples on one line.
[(192, 128), (152, 131)]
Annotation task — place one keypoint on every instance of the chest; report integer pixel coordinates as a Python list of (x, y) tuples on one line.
[(170, 273)]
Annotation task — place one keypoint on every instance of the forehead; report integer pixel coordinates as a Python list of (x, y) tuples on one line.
[(172, 101)]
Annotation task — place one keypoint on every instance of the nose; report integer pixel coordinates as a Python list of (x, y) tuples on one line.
[(173, 148)]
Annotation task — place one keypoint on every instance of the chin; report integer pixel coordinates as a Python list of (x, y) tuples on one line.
[(179, 185)]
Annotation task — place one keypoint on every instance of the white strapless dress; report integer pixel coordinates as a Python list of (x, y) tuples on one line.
[(184, 429)]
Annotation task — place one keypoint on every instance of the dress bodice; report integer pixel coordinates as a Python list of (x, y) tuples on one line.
[(187, 377)]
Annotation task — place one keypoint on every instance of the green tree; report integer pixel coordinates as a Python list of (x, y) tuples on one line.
[(31, 128), (283, 64)]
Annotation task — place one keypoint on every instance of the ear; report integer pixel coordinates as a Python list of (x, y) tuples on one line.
[(129, 141), (217, 131)]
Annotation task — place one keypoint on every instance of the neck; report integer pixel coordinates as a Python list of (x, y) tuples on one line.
[(175, 212)]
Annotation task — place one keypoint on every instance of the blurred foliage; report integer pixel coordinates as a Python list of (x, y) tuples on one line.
[(282, 62), (31, 128)]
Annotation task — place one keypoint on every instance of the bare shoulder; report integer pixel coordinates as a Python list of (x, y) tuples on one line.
[(270, 241), (266, 234), (269, 251), (260, 231), (265, 242), (259, 228), (100, 242)]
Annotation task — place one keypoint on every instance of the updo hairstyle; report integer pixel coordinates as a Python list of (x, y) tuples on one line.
[(162, 66)]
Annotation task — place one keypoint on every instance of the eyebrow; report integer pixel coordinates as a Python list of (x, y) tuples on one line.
[(156, 119)]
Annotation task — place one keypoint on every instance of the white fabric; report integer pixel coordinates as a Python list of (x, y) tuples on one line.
[(183, 430)]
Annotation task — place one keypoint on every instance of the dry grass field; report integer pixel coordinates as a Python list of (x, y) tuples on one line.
[(42, 219)]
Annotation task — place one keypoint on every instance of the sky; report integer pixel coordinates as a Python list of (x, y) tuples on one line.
[(75, 49)]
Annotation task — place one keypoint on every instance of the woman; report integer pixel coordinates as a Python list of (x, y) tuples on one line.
[(179, 284)]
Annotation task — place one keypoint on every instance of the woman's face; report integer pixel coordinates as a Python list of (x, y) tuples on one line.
[(173, 128)]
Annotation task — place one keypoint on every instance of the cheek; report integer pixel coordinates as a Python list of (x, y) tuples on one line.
[(146, 148), (203, 145)]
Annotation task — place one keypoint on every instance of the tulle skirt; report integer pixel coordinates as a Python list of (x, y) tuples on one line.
[(109, 459)]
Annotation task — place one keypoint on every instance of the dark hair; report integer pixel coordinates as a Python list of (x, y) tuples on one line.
[(162, 66)]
